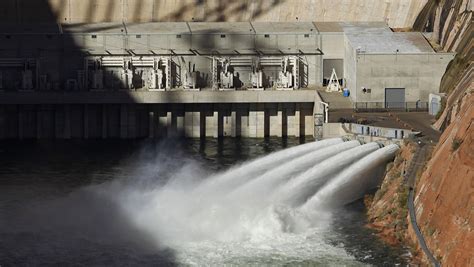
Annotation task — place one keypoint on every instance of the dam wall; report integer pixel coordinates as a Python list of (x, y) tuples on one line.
[(396, 13), (96, 115)]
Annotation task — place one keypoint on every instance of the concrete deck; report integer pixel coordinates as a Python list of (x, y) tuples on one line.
[(123, 97)]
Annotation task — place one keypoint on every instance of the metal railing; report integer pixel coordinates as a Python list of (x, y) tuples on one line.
[(389, 106)]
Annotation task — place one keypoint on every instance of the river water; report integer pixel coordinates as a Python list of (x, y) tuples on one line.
[(68, 203)]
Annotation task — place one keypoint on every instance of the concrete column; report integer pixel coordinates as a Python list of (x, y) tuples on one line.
[(244, 122), (86, 121), (296, 121), (309, 122), (196, 132), (3, 123), (256, 120), (179, 125), (123, 121), (67, 122), (132, 121), (21, 132), (162, 121), (284, 121), (105, 122), (58, 122), (151, 124), (212, 125), (234, 125), (275, 120), (188, 123), (170, 125), (38, 122)]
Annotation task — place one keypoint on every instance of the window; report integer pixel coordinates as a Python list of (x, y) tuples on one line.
[(306, 36), (49, 36), (138, 36), (222, 35), (8, 36), (178, 36), (267, 35), (94, 36)]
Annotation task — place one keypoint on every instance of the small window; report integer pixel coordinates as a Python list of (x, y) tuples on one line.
[(222, 35), (8, 36), (138, 36), (49, 36), (267, 35), (178, 36), (306, 36), (94, 36)]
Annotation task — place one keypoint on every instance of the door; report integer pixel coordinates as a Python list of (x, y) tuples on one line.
[(394, 97)]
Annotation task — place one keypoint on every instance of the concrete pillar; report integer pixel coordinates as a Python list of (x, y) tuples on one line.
[(284, 121), (212, 125), (105, 121), (170, 124), (39, 119), (132, 121), (297, 121), (162, 120), (243, 115), (188, 123), (179, 125), (67, 122), (256, 120), (151, 124), (21, 133), (235, 126), (3, 123), (275, 120), (123, 121), (86, 121), (309, 122)]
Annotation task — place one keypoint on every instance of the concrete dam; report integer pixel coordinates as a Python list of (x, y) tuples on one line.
[(198, 79)]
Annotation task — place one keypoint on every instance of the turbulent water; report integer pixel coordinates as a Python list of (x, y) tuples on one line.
[(178, 203)]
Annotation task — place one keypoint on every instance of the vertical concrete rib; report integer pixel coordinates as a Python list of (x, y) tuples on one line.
[(38, 122), (123, 121), (86, 121), (105, 121), (20, 122), (67, 121), (151, 124)]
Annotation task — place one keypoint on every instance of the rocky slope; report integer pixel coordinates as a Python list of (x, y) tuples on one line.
[(444, 197), (445, 193)]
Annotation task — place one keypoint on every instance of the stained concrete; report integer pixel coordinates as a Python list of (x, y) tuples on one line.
[(396, 13)]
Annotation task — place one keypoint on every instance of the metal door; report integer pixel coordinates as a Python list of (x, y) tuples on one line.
[(394, 97)]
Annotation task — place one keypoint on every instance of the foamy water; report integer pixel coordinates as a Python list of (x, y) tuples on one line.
[(260, 211)]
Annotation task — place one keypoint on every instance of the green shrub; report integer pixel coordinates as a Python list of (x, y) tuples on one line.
[(456, 144)]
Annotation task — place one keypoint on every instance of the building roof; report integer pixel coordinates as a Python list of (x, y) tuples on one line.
[(396, 42), (284, 27), (351, 27)]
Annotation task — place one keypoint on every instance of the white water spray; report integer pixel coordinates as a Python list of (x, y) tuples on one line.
[(260, 203)]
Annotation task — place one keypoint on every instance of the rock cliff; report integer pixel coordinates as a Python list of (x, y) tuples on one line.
[(444, 199)]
